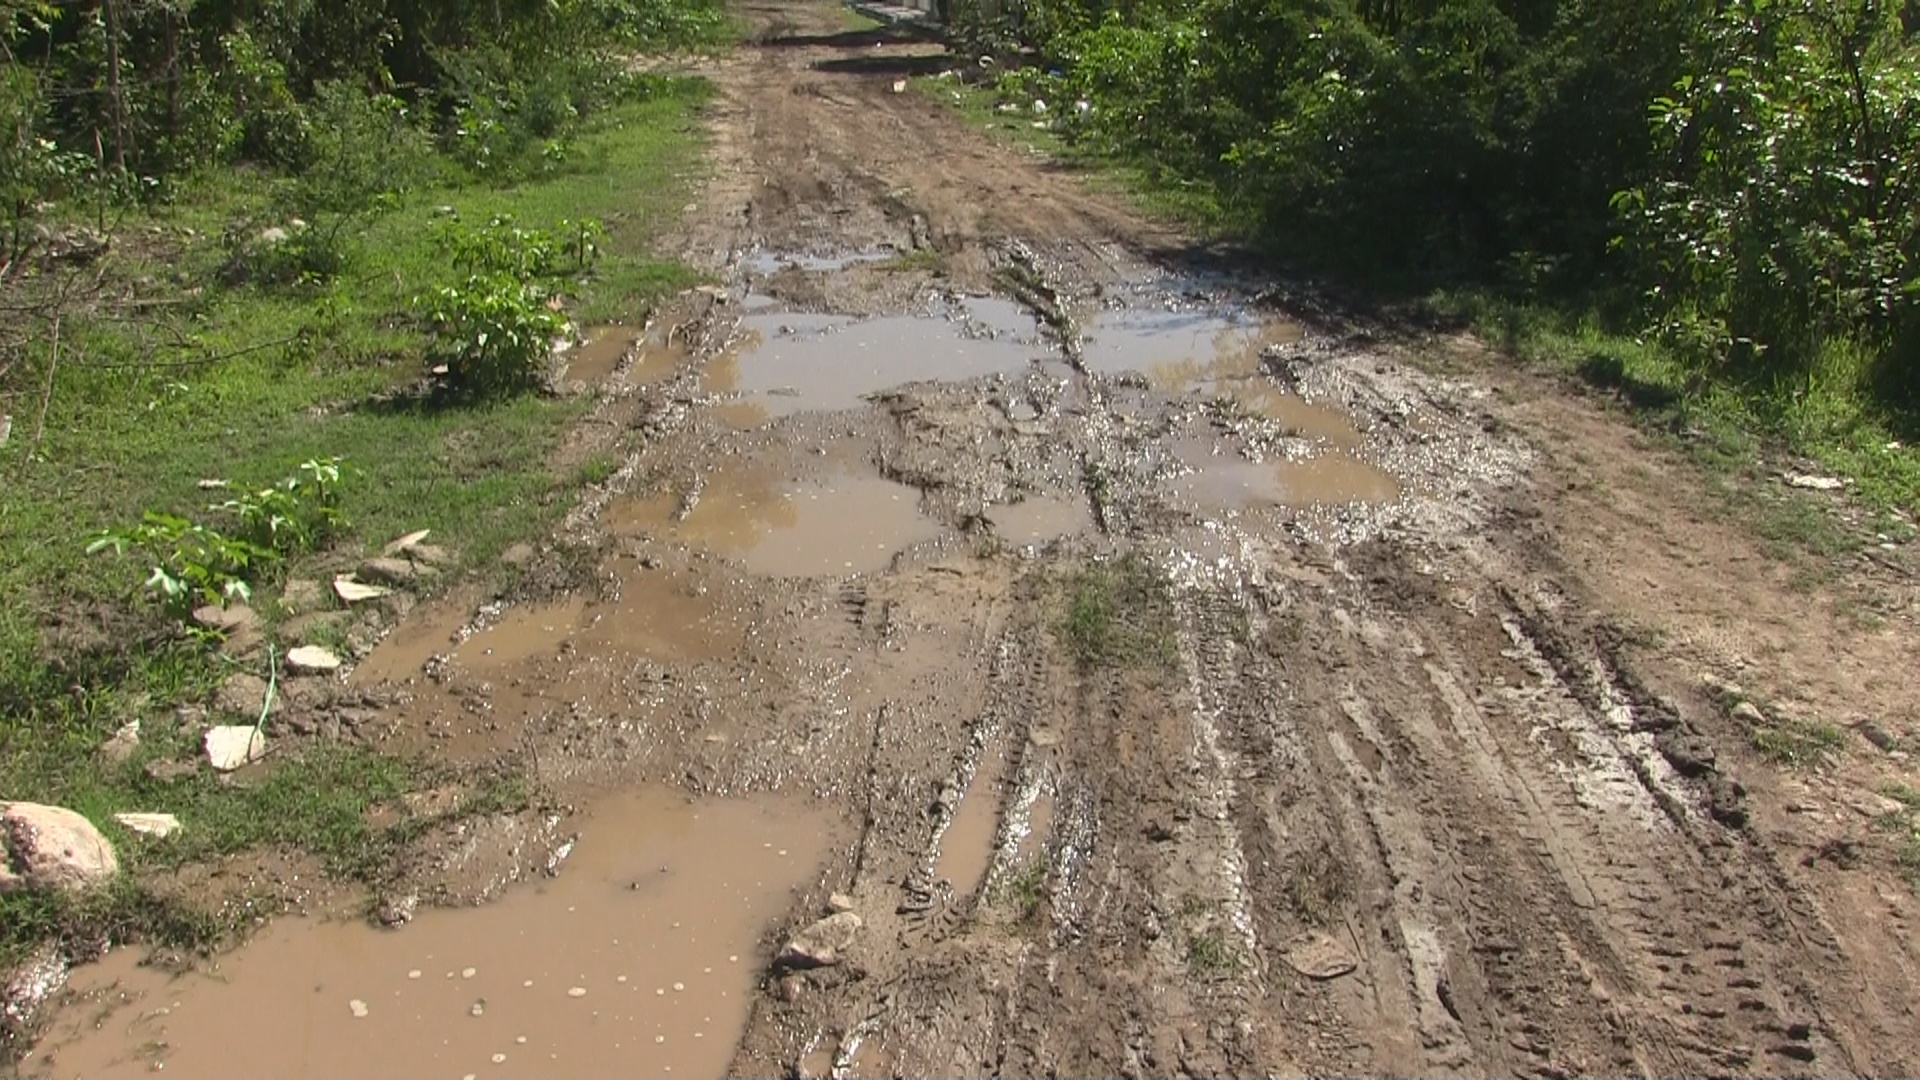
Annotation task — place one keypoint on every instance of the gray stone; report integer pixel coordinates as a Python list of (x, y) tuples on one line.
[(823, 944), (388, 571), (351, 590), (839, 902), (52, 848), (1749, 712)]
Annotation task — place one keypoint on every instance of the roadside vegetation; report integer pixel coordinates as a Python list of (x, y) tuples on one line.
[(281, 283), (1710, 209)]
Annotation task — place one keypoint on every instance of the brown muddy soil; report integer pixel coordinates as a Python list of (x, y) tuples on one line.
[(1171, 683)]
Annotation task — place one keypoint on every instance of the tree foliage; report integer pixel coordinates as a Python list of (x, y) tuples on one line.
[(1746, 168)]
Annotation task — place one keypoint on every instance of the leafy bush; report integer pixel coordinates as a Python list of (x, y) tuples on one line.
[(193, 564), (494, 333)]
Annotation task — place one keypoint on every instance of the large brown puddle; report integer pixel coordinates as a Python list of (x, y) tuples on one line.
[(639, 959), (1227, 481), (840, 523), (790, 363)]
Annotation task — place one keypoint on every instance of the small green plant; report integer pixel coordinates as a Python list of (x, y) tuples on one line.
[(1208, 953), (494, 334), (1799, 744), (191, 564), (503, 246), (1026, 888), (1118, 614), (596, 469), (298, 514)]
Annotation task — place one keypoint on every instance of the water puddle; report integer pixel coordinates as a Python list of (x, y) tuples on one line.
[(1033, 842), (1178, 348), (789, 363), (521, 634), (966, 848), (837, 524), (640, 959), (1228, 481), (663, 616), (428, 633), (1040, 520), (1260, 396), (596, 360)]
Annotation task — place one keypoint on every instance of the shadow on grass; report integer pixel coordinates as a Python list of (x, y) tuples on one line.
[(1608, 371)]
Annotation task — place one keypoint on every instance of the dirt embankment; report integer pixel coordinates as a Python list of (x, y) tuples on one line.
[(1201, 688)]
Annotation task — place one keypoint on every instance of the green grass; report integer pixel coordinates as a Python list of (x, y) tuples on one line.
[(294, 373), (1904, 825), (1209, 954), (1025, 889), (1799, 744), (1118, 615)]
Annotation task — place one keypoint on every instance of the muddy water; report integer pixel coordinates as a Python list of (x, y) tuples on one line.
[(664, 616), (639, 959), (834, 524), (521, 634), (966, 848), (1177, 348), (596, 360), (1040, 520), (1226, 481), (794, 363)]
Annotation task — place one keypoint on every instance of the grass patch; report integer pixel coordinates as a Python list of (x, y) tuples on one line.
[(1904, 824), (1025, 889), (1118, 614), (1210, 955), (1799, 744), (241, 382)]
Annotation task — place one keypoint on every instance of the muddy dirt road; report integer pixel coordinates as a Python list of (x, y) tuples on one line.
[(1166, 682)]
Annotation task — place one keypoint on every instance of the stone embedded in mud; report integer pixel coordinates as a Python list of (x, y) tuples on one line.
[(822, 944), (386, 571), (123, 743), (52, 848), (312, 660), (1320, 956), (231, 746), (839, 902)]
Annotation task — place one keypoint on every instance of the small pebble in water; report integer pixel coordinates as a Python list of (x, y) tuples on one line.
[(479, 1008), (498, 1058), (659, 1038), (621, 978), (677, 987), (466, 973), (659, 990), (521, 1039), (414, 974), (578, 991), (358, 1008), (529, 982), (733, 959)]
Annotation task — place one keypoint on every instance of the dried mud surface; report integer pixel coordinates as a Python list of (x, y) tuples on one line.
[(1408, 770)]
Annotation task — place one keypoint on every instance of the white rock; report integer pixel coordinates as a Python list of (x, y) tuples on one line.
[(403, 544), (351, 590), (150, 824), (1813, 483), (50, 847), (312, 660), (358, 1008), (822, 944), (232, 745)]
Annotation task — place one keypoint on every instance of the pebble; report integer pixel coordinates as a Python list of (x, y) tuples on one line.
[(578, 991), (498, 1058), (358, 1008), (479, 1008), (521, 1039), (659, 1038), (466, 973), (677, 987), (414, 974), (529, 982), (620, 978)]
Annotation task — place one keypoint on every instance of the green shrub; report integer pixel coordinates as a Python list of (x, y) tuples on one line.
[(494, 334)]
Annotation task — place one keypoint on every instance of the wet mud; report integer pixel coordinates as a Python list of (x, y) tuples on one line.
[(1164, 681)]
